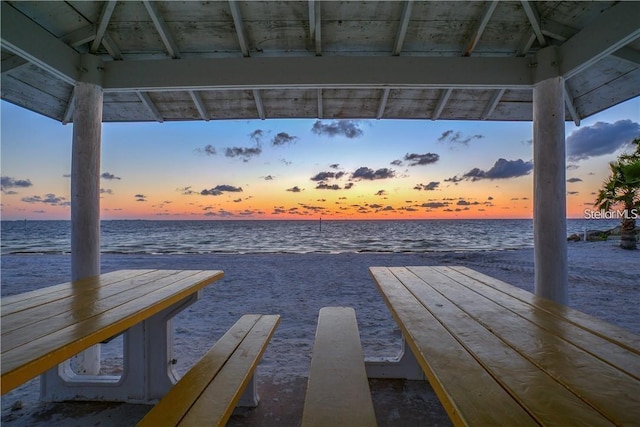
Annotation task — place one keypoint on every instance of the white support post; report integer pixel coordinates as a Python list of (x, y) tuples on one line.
[(85, 217), (549, 192)]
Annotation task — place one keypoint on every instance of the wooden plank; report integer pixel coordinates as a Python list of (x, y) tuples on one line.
[(619, 356), (26, 361), (460, 311), (172, 407), (338, 389), (461, 383), (216, 403), (24, 326), (607, 331), (30, 300)]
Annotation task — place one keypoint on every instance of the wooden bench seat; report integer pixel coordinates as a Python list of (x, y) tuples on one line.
[(207, 394), (497, 355), (338, 389)]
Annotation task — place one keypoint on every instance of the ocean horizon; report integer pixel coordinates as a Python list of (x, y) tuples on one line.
[(141, 236)]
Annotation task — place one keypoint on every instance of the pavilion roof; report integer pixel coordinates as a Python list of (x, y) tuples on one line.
[(206, 60)]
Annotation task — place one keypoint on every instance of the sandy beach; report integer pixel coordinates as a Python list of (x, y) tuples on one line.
[(604, 281)]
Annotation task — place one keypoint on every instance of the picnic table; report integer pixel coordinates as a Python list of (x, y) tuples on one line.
[(498, 355), (42, 329)]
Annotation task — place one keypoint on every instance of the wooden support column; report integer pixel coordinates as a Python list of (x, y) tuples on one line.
[(85, 181), (549, 192), (85, 199)]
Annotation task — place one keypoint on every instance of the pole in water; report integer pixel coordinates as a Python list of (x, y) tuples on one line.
[(320, 223)]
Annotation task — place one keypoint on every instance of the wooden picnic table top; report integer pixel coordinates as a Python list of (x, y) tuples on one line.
[(45, 327), (498, 355)]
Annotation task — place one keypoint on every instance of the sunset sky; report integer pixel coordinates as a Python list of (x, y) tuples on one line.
[(304, 169)]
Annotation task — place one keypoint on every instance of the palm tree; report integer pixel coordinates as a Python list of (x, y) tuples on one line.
[(623, 188)]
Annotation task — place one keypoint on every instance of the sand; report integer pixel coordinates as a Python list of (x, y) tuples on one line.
[(604, 281)]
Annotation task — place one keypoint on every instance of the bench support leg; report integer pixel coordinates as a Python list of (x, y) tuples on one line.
[(403, 366), (147, 361), (250, 398)]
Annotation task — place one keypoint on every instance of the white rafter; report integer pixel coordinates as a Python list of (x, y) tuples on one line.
[(383, 103), (103, 22), (402, 28), (146, 100), (237, 22), (12, 62), (317, 33), (71, 105), (312, 19), (534, 19), (481, 24), (441, 104), (320, 106), (493, 103), (259, 105), (612, 30), (162, 28), (568, 100), (202, 109)]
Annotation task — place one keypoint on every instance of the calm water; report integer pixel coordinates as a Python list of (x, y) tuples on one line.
[(185, 237)]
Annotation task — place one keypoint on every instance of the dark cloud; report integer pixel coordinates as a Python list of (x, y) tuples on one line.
[(325, 186), (285, 162), (573, 193), (369, 174), (434, 205), (48, 199), (600, 139), (396, 163), (295, 189), (106, 191), (572, 167), (257, 135), (245, 153), (269, 178), (381, 193), (323, 176), (574, 180), (348, 128), (6, 182), (334, 166), (109, 176), (140, 198), (348, 185), (427, 187), (208, 150), (453, 179), (220, 189), (453, 137), (501, 169), (421, 159), (283, 138), (187, 191)]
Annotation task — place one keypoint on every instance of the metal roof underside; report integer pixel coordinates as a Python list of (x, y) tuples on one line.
[(174, 60)]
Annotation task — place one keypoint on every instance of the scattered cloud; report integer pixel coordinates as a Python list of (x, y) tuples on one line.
[(269, 178), (600, 139), (323, 176), (48, 199), (283, 138), (325, 186), (421, 159), (208, 150), (257, 135), (186, 191), (244, 153), (109, 176), (6, 182), (381, 193), (452, 137), (502, 169), (574, 180), (397, 163), (347, 128), (427, 187), (106, 191), (369, 174), (140, 198), (334, 166), (218, 190), (295, 189)]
